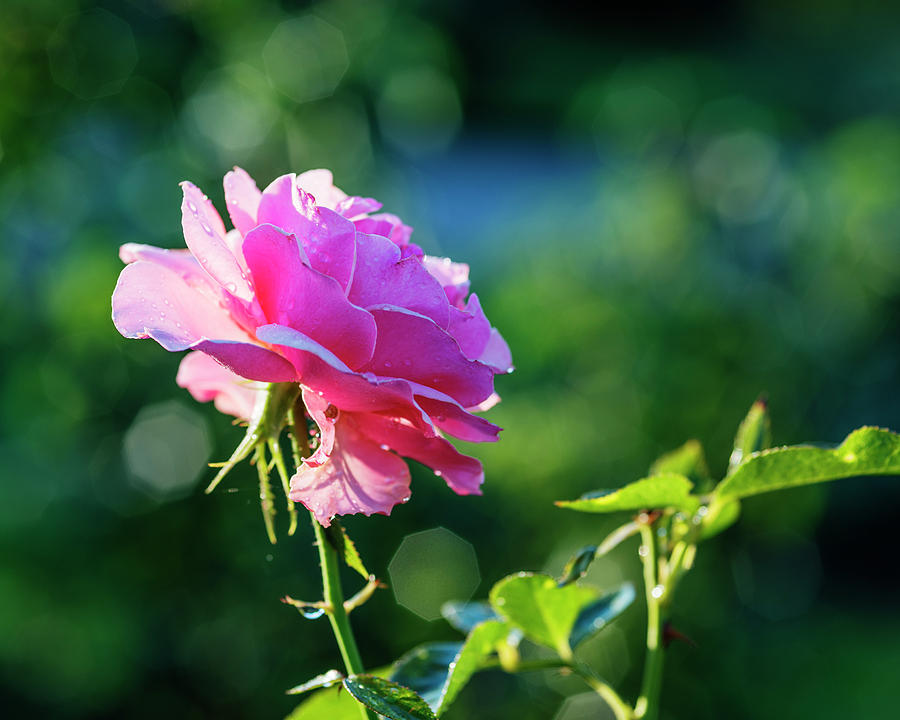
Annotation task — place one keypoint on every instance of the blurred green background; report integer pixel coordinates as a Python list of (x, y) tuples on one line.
[(667, 210)]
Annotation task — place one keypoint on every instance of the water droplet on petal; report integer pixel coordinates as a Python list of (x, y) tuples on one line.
[(438, 473), (231, 287), (384, 447)]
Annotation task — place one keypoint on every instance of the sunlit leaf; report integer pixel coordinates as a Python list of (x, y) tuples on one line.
[(332, 677), (341, 542), (333, 704), (656, 491), (687, 460), (481, 642), (754, 434), (425, 669), (867, 451), (601, 612), (388, 698), (466, 615), (544, 612), (577, 565), (720, 515)]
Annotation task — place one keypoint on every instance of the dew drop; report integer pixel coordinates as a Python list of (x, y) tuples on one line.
[(384, 447), (657, 591), (310, 612), (231, 287), (438, 473)]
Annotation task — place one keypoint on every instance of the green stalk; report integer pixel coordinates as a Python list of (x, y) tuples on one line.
[(647, 706), (331, 578)]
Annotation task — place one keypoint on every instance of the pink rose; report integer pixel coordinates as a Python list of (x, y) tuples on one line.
[(389, 348)]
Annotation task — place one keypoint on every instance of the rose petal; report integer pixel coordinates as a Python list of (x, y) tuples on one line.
[(320, 184), (242, 199), (356, 207), (293, 294), (383, 278), (496, 353), (204, 234), (360, 477), (470, 328), (386, 225), (180, 262), (252, 362), (205, 379), (328, 239), (412, 346), (319, 369), (452, 418), (453, 277), (151, 300), (462, 473), (325, 415)]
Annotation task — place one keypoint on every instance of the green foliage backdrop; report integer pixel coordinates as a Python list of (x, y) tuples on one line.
[(666, 214)]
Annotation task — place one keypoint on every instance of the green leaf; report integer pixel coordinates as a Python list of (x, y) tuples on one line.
[(577, 565), (341, 542), (332, 677), (601, 612), (754, 434), (720, 515), (425, 669), (688, 460), (656, 491), (332, 704), (466, 615), (867, 451), (480, 643), (544, 612), (388, 698)]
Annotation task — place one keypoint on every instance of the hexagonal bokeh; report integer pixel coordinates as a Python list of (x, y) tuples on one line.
[(306, 58), (432, 567), (92, 54), (584, 706), (166, 448)]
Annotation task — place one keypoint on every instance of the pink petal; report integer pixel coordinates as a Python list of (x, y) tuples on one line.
[(325, 415), (453, 277), (242, 199), (293, 294), (320, 184), (412, 346), (360, 477), (470, 328), (204, 234), (462, 473), (356, 207), (250, 361), (386, 225), (151, 300), (452, 418), (205, 379), (328, 239), (180, 262), (320, 370), (496, 354), (383, 278)]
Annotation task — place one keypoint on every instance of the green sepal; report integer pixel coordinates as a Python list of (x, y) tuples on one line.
[(268, 418), (388, 698), (753, 434), (866, 451), (657, 491)]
